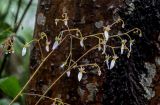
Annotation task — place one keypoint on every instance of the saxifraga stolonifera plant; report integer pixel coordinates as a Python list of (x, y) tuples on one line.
[(70, 64)]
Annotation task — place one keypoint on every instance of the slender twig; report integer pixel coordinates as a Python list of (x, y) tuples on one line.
[(23, 15), (17, 12)]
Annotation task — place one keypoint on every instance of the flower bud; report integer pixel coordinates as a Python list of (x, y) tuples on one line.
[(24, 51)]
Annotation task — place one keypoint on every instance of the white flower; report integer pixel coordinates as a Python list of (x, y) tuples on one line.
[(55, 45), (128, 55), (140, 34), (68, 73), (24, 51), (99, 47), (47, 46), (66, 22), (77, 34), (99, 72), (130, 48), (123, 46), (123, 25), (56, 21), (104, 47), (130, 45), (63, 64), (54, 103), (82, 42), (12, 51), (106, 32), (80, 74), (107, 60), (113, 62)]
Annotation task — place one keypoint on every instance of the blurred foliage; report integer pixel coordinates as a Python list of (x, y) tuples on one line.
[(13, 68), (6, 84)]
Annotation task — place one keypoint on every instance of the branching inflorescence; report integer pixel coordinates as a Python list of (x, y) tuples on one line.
[(69, 64)]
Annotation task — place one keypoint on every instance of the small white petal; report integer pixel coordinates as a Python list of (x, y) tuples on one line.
[(54, 103), (68, 73), (24, 50), (55, 45), (63, 64), (140, 35), (77, 34), (130, 45), (106, 34), (99, 72), (112, 64), (123, 25), (82, 42), (56, 21), (107, 63), (99, 47), (104, 49), (128, 55), (122, 48), (107, 60), (66, 22), (115, 57), (47, 48), (80, 74)]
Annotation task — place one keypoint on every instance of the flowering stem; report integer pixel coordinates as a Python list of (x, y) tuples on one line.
[(69, 68), (119, 20), (36, 71)]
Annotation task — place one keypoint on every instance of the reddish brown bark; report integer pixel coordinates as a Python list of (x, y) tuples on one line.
[(82, 14)]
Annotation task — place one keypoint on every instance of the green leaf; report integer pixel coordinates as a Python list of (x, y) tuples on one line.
[(5, 31), (10, 86), (6, 101)]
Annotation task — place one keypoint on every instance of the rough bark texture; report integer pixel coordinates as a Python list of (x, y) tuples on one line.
[(120, 86)]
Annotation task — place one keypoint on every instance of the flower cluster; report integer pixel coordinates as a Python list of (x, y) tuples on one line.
[(102, 45), (8, 45), (71, 64)]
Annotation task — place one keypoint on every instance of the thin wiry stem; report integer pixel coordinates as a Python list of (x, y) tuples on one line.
[(69, 68), (53, 99), (36, 71)]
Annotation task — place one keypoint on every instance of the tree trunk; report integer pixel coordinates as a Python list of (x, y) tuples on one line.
[(120, 86)]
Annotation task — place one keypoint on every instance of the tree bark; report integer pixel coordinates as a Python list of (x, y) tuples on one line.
[(120, 86)]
